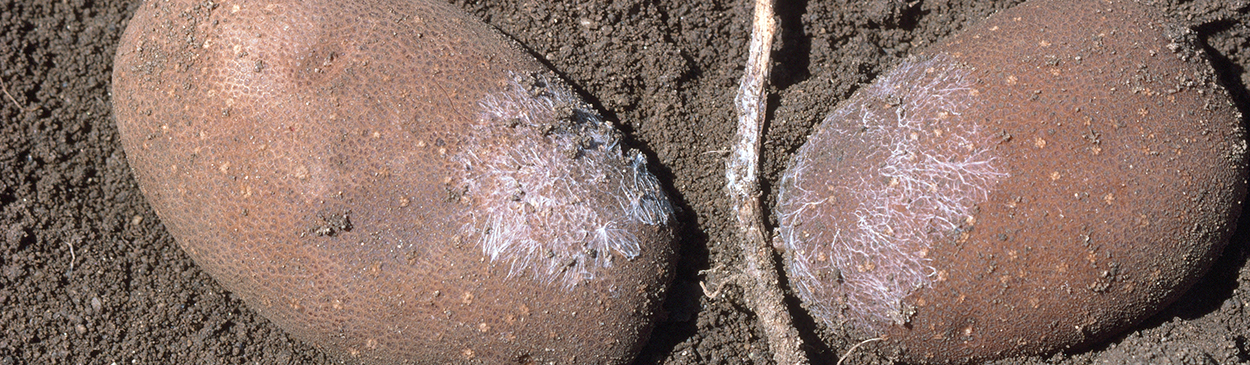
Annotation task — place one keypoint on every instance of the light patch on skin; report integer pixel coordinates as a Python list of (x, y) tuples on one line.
[(551, 193), (893, 170)]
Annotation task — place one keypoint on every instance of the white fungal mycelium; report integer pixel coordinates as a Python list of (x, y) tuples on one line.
[(552, 193), (895, 169)]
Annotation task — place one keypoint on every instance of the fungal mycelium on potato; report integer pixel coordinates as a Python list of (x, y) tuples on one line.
[(392, 180), (1043, 180)]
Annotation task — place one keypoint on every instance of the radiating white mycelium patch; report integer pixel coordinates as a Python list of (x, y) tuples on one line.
[(895, 169), (552, 194)]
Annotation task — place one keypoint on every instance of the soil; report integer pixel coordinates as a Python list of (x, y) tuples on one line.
[(88, 275)]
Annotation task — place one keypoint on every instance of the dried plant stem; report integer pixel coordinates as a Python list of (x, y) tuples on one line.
[(763, 287), (5, 88)]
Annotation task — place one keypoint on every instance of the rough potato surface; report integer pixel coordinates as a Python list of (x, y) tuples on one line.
[(1059, 172), (392, 180)]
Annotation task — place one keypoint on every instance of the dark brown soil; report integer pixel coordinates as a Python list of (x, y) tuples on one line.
[(88, 274)]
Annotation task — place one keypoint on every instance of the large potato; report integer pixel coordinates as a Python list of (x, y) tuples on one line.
[(1041, 181), (392, 180)]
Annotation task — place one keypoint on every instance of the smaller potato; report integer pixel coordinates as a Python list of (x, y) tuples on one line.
[(1040, 182), (392, 180)]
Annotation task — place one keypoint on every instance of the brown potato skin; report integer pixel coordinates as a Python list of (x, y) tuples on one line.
[(1125, 178), (1150, 155), (302, 153)]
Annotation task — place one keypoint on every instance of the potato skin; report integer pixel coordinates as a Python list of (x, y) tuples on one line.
[(392, 180), (1039, 182)]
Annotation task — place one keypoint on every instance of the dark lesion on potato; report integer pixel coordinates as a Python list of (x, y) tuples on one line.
[(570, 116), (903, 314), (330, 223), (455, 193), (1105, 278)]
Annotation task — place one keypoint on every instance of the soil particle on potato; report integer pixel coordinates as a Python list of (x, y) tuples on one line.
[(663, 71), (331, 223)]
